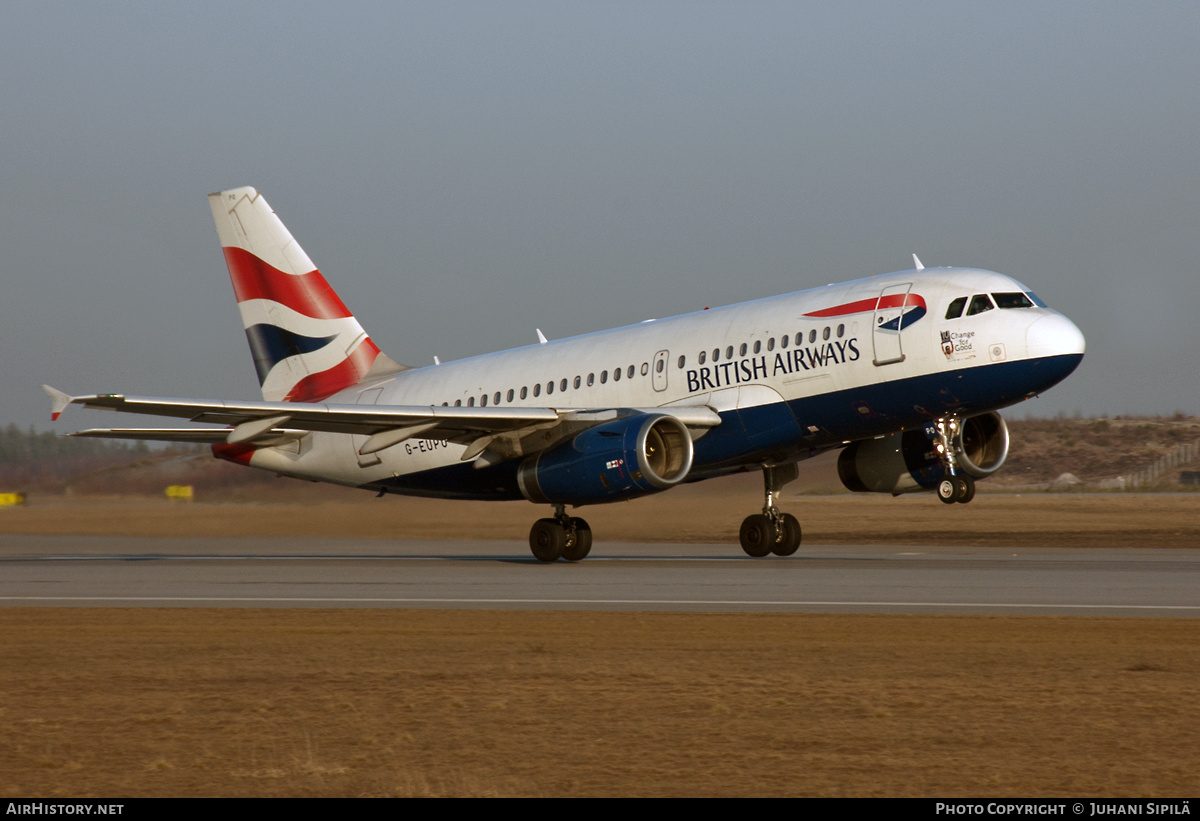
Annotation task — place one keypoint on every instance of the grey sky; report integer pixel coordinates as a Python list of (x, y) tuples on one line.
[(465, 172)]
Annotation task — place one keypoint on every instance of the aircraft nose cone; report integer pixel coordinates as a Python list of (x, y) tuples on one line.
[(1054, 335)]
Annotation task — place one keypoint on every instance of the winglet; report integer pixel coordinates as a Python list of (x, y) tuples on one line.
[(541, 336), (917, 262), (58, 401)]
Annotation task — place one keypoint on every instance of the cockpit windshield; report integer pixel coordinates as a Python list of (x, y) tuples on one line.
[(981, 303), (1014, 300)]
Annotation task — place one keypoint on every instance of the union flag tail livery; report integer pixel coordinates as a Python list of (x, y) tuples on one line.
[(902, 374), (306, 344)]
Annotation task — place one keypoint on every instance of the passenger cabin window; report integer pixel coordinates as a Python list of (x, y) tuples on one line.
[(682, 362), (630, 371), (510, 394), (562, 385), (524, 392), (701, 357), (757, 345), (578, 381), (956, 308), (742, 350), (1017, 300), (616, 374), (979, 304), (592, 378)]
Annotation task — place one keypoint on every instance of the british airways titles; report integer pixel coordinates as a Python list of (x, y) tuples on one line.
[(755, 368)]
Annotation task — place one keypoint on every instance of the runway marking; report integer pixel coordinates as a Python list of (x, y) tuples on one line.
[(705, 602)]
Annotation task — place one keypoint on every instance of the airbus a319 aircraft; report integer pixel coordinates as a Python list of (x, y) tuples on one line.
[(903, 372)]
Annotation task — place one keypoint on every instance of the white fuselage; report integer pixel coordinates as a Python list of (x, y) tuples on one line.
[(826, 355)]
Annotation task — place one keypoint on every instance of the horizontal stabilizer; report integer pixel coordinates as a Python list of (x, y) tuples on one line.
[(333, 418), (199, 436)]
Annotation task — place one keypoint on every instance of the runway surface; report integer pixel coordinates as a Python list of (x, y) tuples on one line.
[(109, 571)]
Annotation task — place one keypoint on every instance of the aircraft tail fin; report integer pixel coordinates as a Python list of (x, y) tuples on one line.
[(306, 344)]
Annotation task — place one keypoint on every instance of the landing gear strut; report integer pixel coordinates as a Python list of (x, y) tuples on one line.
[(563, 537), (771, 531), (955, 486)]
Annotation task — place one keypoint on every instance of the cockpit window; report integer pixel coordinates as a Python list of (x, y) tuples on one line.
[(1035, 299), (1017, 300), (956, 308), (979, 304)]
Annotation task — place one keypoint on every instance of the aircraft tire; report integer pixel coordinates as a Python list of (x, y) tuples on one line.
[(966, 488), (583, 542), (546, 540), (757, 536), (947, 490), (790, 542)]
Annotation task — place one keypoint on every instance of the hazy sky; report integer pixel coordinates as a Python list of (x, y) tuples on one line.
[(465, 172)]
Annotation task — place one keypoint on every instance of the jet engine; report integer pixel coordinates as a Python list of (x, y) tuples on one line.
[(908, 462), (617, 460)]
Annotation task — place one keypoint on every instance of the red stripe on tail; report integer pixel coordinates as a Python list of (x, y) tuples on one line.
[(307, 294), (348, 372)]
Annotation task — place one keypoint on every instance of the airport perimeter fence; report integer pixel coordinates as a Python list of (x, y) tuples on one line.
[(1176, 457)]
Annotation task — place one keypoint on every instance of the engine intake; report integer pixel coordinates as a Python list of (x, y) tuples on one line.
[(617, 460), (907, 462)]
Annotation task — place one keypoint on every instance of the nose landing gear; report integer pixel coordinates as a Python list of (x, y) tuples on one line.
[(955, 486), (772, 531)]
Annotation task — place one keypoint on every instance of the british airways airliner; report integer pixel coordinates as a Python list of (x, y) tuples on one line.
[(904, 373)]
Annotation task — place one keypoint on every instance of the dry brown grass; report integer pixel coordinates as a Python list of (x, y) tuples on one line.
[(385, 702), (703, 513)]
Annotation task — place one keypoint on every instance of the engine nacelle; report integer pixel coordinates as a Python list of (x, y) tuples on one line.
[(907, 462), (617, 460)]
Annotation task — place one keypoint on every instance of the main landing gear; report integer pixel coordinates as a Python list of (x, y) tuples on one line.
[(563, 537), (771, 531), (955, 486)]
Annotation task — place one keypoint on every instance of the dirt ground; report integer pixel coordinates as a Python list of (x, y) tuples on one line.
[(704, 513), (199, 702), (443, 703)]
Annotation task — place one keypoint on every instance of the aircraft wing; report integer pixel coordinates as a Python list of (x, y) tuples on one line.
[(266, 423)]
